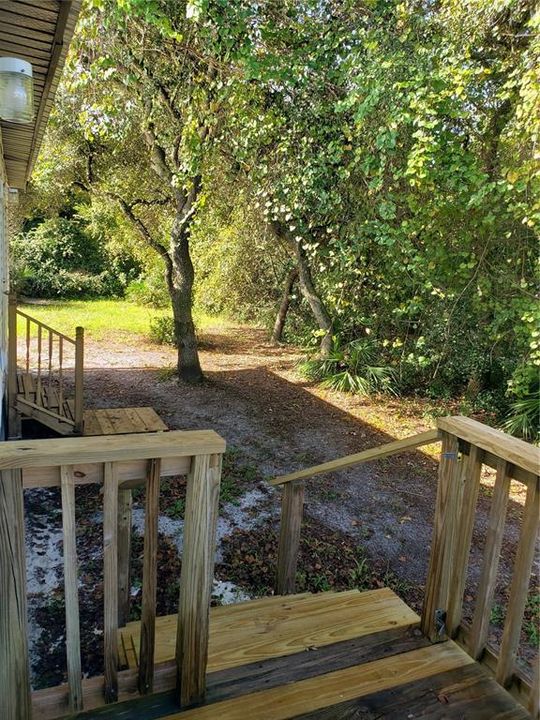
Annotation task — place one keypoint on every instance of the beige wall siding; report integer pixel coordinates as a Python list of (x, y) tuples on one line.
[(4, 288)]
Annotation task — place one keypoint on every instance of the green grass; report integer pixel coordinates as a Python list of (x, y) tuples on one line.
[(102, 318)]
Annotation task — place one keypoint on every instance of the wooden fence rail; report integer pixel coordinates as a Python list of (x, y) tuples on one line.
[(43, 361), (467, 445), (108, 461)]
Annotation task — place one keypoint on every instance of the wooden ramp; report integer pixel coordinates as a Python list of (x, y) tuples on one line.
[(330, 656)]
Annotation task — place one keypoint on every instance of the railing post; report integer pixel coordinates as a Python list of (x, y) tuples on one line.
[(446, 523), (292, 509), (15, 703), (14, 418), (200, 523), (79, 379)]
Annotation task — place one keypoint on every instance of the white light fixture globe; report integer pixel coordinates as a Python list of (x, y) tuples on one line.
[(16, 90)]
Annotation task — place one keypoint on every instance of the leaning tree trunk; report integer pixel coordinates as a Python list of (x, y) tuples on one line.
[(307, 288), (181, 291), (279, 325)]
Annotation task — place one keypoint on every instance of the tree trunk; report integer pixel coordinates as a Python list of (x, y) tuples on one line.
[(307, 288), (181, 291), (279, 325)]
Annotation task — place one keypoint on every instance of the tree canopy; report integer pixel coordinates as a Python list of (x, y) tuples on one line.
[(382, 156)]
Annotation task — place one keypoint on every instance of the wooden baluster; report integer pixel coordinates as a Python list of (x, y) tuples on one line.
[(28, 341), (446, 521), (125, 502), (38, 382), (73, 640), (292, 510), (50, 366), (148, 615), (14, 420), (520, 586), (79, 379), (492, 551), (110, 580), (15, 701), (471, 468), (200, 523), (60, 375)]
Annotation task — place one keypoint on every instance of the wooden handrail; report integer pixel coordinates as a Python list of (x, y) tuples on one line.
[(44, 326), (377, 453)]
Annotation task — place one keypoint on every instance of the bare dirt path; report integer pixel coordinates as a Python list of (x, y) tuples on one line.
[(365, 527)]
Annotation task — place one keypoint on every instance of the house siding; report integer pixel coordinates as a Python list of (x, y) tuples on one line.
[(4, 289)]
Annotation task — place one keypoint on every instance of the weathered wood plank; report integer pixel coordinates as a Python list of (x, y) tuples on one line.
[(447, 507), (200, 523), (471, 468), (513, 450), (71, 590), (292, 511), (110, 581), (54, 452), (149, 588), (520, 586), (253, 631), (131, 473), (291, 700), (125, 503), (467, 692), (377, 453), (490, 563), (14, 666)]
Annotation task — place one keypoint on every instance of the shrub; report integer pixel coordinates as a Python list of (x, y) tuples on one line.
[(524, 416), (351, 368), (162, 330)]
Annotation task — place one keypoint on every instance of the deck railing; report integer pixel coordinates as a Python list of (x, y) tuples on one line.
[(467, 445), (44, 357), (116, 464)]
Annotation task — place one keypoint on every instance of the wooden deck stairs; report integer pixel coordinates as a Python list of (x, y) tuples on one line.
[(330, 656), (38, 366)]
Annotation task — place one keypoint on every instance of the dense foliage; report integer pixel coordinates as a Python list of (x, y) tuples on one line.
[(386, 151)]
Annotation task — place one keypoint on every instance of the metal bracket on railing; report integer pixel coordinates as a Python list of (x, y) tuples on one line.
[(440, 622)]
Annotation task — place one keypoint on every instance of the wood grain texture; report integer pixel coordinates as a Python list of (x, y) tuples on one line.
[(377, 453), (80, 450), (466, 693), (471, 467), (71, 590), (289, 701), (14, 666), (149, 588), (490, 562), (292, 512), (110, 581), (254, 631), (200, 524), (125, 504), (534, 695), (131, 473), (447, 510), (122, 421), (519, 588), (515, 451)]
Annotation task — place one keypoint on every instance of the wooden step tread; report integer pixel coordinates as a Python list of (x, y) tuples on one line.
[(273, 627), (324, 691), (122, 421)]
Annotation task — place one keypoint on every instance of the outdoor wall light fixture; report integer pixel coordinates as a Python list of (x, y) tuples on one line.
[(16, 90)]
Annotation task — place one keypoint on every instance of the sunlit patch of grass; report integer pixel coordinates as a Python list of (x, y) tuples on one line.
[(102, 318)]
